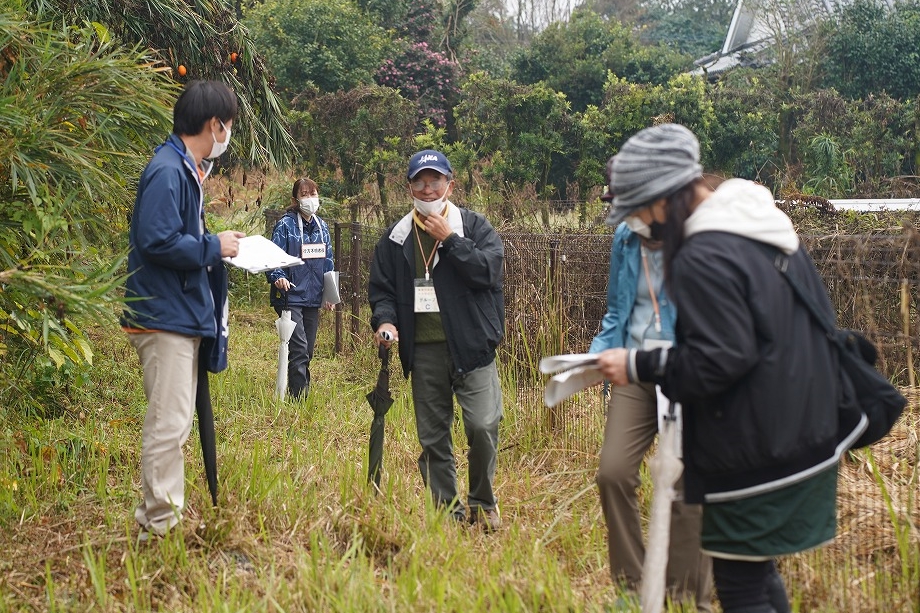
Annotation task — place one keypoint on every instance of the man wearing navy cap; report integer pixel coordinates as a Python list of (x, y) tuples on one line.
[(436, 287)]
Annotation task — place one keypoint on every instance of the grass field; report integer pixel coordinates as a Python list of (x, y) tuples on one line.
[(297, 529)]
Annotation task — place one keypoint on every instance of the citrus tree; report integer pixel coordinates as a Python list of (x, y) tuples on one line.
[(200, 39)]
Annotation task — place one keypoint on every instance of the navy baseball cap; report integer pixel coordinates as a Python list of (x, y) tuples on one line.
[(429, 158)]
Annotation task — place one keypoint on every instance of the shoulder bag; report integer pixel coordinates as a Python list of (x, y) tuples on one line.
[(865, 392)]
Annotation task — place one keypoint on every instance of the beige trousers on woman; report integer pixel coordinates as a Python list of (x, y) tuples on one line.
[(632, 423)]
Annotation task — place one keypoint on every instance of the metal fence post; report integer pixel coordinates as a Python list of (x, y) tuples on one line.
[(355, 276), (555, 298), (337, 246)]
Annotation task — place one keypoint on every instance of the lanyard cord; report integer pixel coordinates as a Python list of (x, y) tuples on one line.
[(421, 249), (198, 172), (198, 175), (651, 290), (300, 226), (323, 236)]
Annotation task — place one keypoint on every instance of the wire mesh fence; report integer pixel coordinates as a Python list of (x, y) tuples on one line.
[(555, 288)]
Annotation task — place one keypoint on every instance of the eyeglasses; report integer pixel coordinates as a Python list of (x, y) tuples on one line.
[(435, 184)]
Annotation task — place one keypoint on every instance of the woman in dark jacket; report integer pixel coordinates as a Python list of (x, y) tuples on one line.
[(299, 289), (756, 377)]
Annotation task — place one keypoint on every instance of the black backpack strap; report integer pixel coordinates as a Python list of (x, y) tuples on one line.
[(781, 263)]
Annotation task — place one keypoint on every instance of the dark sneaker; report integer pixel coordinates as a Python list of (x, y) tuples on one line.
[(489, 519)]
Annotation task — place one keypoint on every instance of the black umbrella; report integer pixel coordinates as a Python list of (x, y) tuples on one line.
[(212, 357), (381, 401), (206, 428)]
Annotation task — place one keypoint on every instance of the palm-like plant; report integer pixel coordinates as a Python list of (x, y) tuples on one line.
[(78, 116)]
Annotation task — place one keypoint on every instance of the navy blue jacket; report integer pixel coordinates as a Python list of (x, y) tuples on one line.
[(308, 277), (171, 251)]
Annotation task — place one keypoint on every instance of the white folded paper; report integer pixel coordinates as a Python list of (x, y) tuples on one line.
[(258, 254), (331, 287), (578, 371), (555, 363)]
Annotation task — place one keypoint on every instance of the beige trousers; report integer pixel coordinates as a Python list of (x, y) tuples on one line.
[(170, 368), (632, 424)]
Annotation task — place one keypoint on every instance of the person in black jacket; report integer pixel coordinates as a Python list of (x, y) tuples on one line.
[(436, 287), (756, 377)]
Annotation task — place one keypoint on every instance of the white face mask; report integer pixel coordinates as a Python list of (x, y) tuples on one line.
[(217, 149), (309, 205), (428, 208), (638, 226)]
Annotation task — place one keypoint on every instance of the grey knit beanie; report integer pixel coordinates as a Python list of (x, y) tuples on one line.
[(653, 163)]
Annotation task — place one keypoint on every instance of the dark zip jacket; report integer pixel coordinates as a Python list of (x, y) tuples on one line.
[(168, 286), (308, 277), (757, 378), (467, 277)]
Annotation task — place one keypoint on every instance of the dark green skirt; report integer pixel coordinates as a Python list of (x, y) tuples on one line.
[(796, 518)]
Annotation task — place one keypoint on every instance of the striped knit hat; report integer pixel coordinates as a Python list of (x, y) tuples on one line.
[(652, 164)]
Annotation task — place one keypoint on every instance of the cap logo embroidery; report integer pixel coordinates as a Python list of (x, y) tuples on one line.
[(428, 158)]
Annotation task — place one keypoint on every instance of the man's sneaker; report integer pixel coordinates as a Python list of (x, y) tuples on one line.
[(489, 519)]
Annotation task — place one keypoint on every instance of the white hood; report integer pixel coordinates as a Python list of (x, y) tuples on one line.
[(747, 209)]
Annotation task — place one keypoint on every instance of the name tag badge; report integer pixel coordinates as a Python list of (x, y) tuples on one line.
[(426, 301), (311, 251)]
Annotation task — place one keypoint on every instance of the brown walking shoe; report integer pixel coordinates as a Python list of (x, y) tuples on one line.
[(489, 519)]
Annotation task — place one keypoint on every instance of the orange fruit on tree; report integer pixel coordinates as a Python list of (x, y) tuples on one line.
[(233, 57), (182, 70)]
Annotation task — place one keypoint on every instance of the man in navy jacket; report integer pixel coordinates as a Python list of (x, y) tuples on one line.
[(171, 307)]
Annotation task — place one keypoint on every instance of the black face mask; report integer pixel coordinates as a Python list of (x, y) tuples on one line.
[(656, 230)]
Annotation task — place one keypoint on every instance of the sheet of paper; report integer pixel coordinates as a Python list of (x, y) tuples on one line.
[(555, 363), (569, 382), (331, 287), (258, 254)]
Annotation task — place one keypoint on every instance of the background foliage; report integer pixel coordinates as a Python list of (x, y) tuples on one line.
[(528, 100), (872, 48), (575, 58), (329, 44), (70, 138)]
